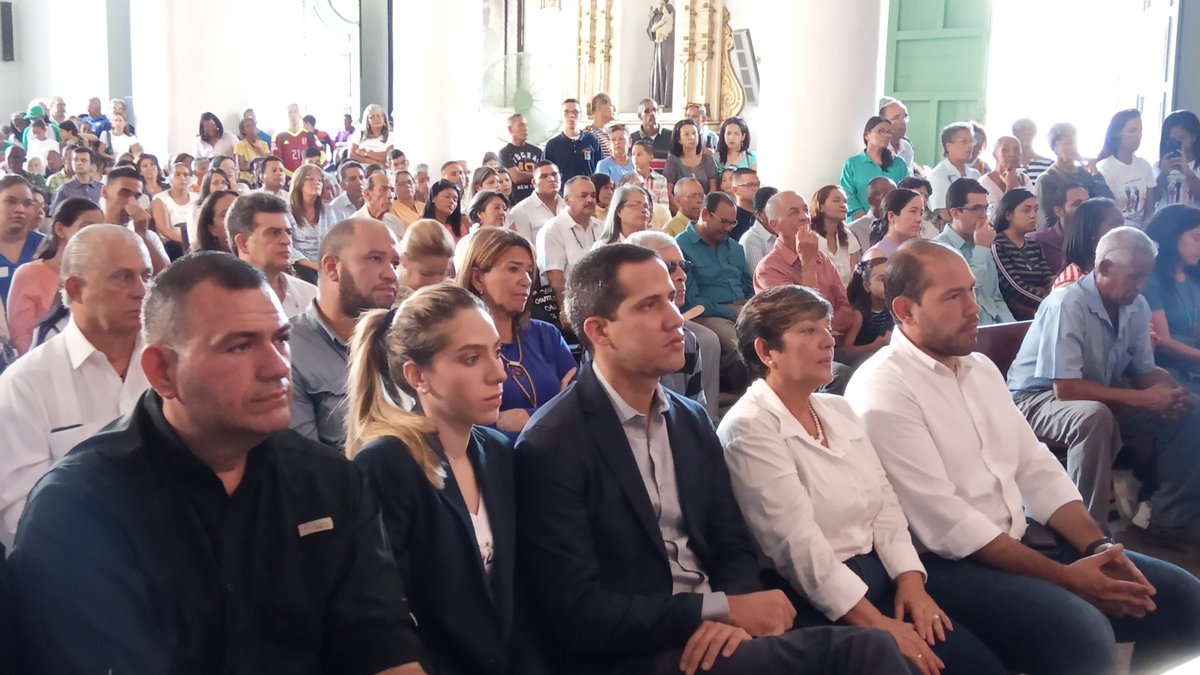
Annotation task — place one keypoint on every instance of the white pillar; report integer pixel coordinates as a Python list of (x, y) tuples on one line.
[(436, 76), (820, 73)]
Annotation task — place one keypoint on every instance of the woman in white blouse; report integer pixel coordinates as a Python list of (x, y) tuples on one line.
[(816, 498), (829, 210)]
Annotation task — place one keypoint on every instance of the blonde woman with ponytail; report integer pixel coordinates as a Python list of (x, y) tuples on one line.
[(444, 480)]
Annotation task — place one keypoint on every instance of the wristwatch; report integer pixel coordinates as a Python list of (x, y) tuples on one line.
[(1099, 546)]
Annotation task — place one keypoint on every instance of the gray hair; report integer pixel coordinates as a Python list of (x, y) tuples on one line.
[(772, 207), (240, 219), (655, 240), (1058, 131), (79, 255), (682, 182), (612, 228), (1121, 244)]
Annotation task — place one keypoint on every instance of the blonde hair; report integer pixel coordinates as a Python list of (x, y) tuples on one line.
[(383, 342), (426, 238), (487, 246), (365, 128)]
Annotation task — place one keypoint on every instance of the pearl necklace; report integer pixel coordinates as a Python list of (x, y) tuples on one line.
[(817, 421)]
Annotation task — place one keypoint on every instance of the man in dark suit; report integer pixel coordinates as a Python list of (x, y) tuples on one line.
[(633, 547)]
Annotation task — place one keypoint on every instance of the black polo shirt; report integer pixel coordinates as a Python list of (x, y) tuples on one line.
[(574, 156), (131, 558), (661, 141)]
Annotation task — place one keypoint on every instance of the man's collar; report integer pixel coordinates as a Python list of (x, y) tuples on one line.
[(80, 348), (314, 315), (626, 412)]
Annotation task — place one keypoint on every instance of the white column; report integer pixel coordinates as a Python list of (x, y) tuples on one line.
[(820, 73), (437, 70)]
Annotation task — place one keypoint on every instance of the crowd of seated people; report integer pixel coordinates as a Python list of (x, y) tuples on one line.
[(291, 403)]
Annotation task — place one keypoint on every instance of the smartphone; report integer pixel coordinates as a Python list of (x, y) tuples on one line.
[(1172, 147)]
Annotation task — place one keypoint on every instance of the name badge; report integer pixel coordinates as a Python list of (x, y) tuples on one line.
[(3, 272), (314, 526), (587, 154)]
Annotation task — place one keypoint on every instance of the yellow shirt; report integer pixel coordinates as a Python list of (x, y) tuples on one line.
[(676, 225), (659, 216), (405, 214), (247, 150)]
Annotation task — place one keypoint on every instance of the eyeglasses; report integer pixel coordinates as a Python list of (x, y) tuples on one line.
[(898, 118), (974, 209), (726, 223), (685, 265)]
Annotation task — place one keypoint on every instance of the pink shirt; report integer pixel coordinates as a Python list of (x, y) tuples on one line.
[(781, 266), (29, 298)]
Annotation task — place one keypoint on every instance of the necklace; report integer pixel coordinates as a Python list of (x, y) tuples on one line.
[(517, 371), (817, 421)]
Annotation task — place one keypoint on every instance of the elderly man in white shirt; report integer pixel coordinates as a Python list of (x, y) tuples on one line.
[(529, 215), (1053, 595), (569, 235), (63, 391), (815, 497)]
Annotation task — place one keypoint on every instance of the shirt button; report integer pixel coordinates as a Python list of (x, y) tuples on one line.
[(230, 586)]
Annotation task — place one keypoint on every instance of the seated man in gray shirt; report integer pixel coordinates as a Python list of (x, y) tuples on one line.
[(358, 263)]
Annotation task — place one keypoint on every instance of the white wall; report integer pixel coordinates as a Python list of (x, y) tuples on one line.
[(40, 52), (814, 97)]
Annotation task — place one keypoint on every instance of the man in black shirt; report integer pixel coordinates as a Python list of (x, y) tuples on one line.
[(650, 131), (745, 185), (575, 152), (197, 533), (520, 158)]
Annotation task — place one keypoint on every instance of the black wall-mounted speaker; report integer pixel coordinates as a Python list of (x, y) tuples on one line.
[(6, 32)]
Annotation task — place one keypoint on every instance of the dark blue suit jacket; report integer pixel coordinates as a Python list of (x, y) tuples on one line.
[(589, 541), (464, 617)]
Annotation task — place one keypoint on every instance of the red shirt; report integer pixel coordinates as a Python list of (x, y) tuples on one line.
[(290, 147)]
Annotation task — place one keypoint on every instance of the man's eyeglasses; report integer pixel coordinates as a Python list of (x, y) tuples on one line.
[(685, 265), (974, 209), (726, 223)]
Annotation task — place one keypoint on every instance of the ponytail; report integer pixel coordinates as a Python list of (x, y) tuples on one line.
[(384, 342), (373, 393)]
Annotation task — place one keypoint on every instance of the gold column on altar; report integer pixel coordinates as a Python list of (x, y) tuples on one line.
[(703, 40)]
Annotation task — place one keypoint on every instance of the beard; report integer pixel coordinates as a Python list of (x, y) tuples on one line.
[(943, 342), (352, 300)]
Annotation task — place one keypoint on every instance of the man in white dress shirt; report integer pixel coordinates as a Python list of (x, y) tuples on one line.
[(81, 379), (1047, 595), (259, 234), (528, 216), (568, 236), (350, 177), (896, 112)]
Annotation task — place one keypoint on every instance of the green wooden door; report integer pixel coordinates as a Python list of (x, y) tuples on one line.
[(937, 54)]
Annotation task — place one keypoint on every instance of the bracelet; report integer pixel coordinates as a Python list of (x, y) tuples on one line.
[(1091, 549)]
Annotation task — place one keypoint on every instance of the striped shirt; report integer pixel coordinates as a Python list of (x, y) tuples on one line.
[(1070, 274), (1025, 276), (1037, 166)]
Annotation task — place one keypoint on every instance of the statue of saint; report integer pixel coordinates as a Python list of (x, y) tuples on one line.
[(662, 32)]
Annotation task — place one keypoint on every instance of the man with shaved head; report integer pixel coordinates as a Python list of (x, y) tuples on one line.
[(197, 533), (359, 258), (81, 379), (1012, 552)]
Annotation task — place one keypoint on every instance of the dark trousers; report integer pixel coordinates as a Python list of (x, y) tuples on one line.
[(830, 650), (962, 652), (1039, 628)]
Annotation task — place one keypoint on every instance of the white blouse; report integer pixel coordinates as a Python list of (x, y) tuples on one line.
[(483, 536), (841, 259), (811, 508)]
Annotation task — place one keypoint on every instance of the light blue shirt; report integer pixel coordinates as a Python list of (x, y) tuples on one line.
[(616, 172), (859, 171), (1072, 338), (992, 308)]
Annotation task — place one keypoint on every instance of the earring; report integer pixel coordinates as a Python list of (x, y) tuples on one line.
[(771, 363)]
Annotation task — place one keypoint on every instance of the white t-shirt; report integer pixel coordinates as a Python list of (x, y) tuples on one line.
[(120, 145), (40, 148), (1130, 184), (180, 214), (1178, 191), (996, 191), (376, 144)]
